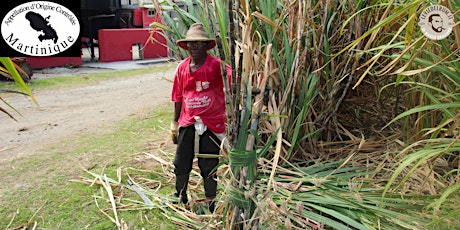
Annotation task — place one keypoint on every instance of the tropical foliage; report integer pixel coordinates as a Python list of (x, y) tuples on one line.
[(10, 70)]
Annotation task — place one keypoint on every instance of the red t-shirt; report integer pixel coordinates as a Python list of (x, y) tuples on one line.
[(201, 93)]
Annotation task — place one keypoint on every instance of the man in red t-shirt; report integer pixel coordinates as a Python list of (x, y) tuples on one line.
[(199, 112)]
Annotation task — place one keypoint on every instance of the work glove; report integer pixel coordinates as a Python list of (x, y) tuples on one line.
[(174, 131)]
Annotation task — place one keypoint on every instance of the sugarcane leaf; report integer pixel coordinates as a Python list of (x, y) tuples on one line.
[(424, 108)]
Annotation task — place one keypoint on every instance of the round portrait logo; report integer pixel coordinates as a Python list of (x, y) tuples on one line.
[(40, 28), (436, 22)]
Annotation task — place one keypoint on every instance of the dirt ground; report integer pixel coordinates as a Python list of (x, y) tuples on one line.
[(66, 112)]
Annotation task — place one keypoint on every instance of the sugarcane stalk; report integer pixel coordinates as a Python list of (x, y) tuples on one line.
[(235, 81), (230, 110), (235, 90)]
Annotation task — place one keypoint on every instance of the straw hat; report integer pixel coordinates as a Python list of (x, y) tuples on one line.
[(196, 33)]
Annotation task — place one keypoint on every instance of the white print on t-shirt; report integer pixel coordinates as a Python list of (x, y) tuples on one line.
[(201, 85), (197, 102), (198, 86), (205, 84)]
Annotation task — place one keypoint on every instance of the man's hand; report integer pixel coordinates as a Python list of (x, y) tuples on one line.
[(174, 131)]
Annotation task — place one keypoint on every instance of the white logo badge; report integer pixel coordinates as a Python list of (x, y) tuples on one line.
[(40, 28), (436, 22)]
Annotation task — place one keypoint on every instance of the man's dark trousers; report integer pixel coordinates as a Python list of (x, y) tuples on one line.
[(185, 152)]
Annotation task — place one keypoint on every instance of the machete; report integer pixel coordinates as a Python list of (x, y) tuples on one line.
[(136, 188)]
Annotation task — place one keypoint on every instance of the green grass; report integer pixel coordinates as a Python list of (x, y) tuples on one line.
[(38, 188), (41, 188), (83, 79)]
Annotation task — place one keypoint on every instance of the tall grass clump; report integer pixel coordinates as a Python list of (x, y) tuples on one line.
[(317, 82)]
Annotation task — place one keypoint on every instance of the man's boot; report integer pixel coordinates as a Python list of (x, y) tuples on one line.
[(210, 190), (211, 206), (181, 188)]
